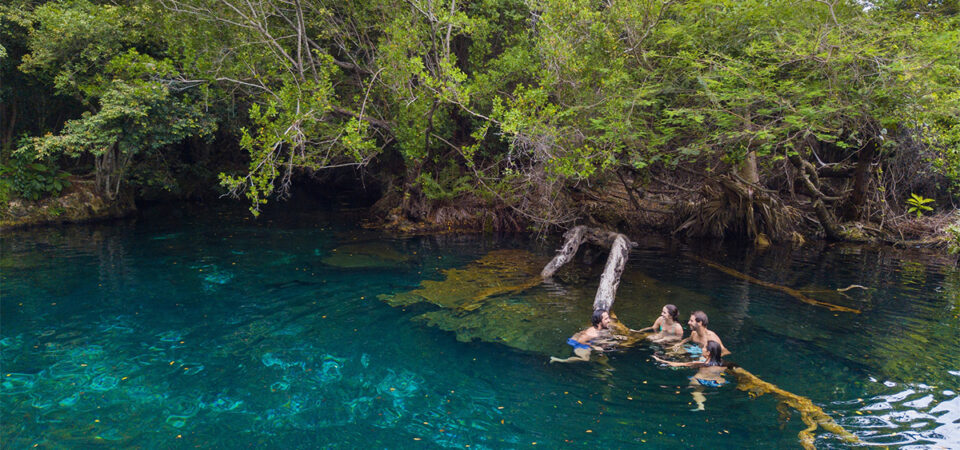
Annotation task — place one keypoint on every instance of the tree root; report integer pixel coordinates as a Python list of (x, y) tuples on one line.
[(789, 291), (811, 415)]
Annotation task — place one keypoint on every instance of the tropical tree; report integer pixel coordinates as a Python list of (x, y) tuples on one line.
[(106, 58)]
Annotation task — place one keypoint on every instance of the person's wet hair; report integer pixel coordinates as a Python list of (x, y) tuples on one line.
[(700, 316), (597, 317), (715, 350), (674, 312)]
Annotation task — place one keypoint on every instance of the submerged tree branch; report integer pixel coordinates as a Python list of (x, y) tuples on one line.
[(786, 290)]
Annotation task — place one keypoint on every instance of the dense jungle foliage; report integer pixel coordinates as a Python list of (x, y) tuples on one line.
[(741, 117)]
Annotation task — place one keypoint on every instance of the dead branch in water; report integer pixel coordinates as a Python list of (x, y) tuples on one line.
[(852, 286), (619, 246), (787, 290), (811, 415)]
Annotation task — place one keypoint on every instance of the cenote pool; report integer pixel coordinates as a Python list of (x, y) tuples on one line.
[(202, 327)]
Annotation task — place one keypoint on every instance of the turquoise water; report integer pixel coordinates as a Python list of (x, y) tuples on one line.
[(196, 327)]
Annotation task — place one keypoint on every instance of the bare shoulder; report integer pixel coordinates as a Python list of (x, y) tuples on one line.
[(713, 336), (591, 333)]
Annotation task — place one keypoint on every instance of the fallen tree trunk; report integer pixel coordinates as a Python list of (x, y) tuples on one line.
[(786, 290), (610, 280), (619, 246)]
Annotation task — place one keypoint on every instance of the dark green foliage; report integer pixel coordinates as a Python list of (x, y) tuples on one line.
[(513, 102), (30, 179), (108, 58), (447, 186)]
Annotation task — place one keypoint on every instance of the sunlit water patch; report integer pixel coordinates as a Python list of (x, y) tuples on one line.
[(208, 328)]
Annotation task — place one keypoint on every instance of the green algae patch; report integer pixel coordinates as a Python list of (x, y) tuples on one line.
[(528, 324), (497, 273), (365, 255), (501, 298)]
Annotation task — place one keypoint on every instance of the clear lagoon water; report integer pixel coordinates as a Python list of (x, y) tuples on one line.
[(202, 327)]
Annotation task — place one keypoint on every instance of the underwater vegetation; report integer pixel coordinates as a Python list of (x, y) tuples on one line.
[(477, 302), (365, 255), (496, 273)]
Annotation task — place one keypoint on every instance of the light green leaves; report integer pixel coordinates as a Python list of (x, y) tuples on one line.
[(918, 204)]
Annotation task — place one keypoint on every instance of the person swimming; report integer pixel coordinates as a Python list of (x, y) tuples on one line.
[(699, 334), (710, 373), (582, 341), (667, 327)]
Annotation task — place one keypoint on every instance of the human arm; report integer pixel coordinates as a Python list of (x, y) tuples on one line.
[(653, 327), (678, 364), (679, 345), (724, 351)]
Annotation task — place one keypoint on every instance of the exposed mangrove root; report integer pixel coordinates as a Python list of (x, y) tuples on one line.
[(619, 246), (811, 180), (786, 290), (732, 205), (811, 415)]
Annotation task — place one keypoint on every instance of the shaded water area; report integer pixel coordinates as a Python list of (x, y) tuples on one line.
[(193, 327)]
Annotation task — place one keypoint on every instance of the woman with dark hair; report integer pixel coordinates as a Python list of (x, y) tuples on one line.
[(667, 327), (710, 373)]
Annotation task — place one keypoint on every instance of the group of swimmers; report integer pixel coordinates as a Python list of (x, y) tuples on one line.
[(706, 345)]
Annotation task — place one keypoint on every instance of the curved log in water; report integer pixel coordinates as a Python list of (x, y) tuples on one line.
[(619, 246)]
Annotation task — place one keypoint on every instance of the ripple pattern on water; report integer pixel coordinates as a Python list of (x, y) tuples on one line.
[(918, 416)]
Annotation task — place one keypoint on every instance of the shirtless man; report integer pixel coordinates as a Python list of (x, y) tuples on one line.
[(582, 340), (699, 333)]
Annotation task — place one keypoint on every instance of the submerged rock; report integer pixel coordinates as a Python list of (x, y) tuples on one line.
[(79, 203)]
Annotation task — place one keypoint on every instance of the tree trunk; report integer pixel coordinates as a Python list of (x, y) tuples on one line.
[(861, 177), (11, 119), (808, 175), (749, 170), (573, 237), (619, 246), (610, 280)]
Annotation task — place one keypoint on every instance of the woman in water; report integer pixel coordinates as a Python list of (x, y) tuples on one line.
[(667, 327), (710, 373)]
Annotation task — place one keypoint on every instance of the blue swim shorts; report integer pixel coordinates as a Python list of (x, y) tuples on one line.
[(576, 344)]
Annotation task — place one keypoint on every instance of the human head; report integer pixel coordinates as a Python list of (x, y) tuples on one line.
[(672, 312), (600, 319), (714, 351), (698, 319)]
